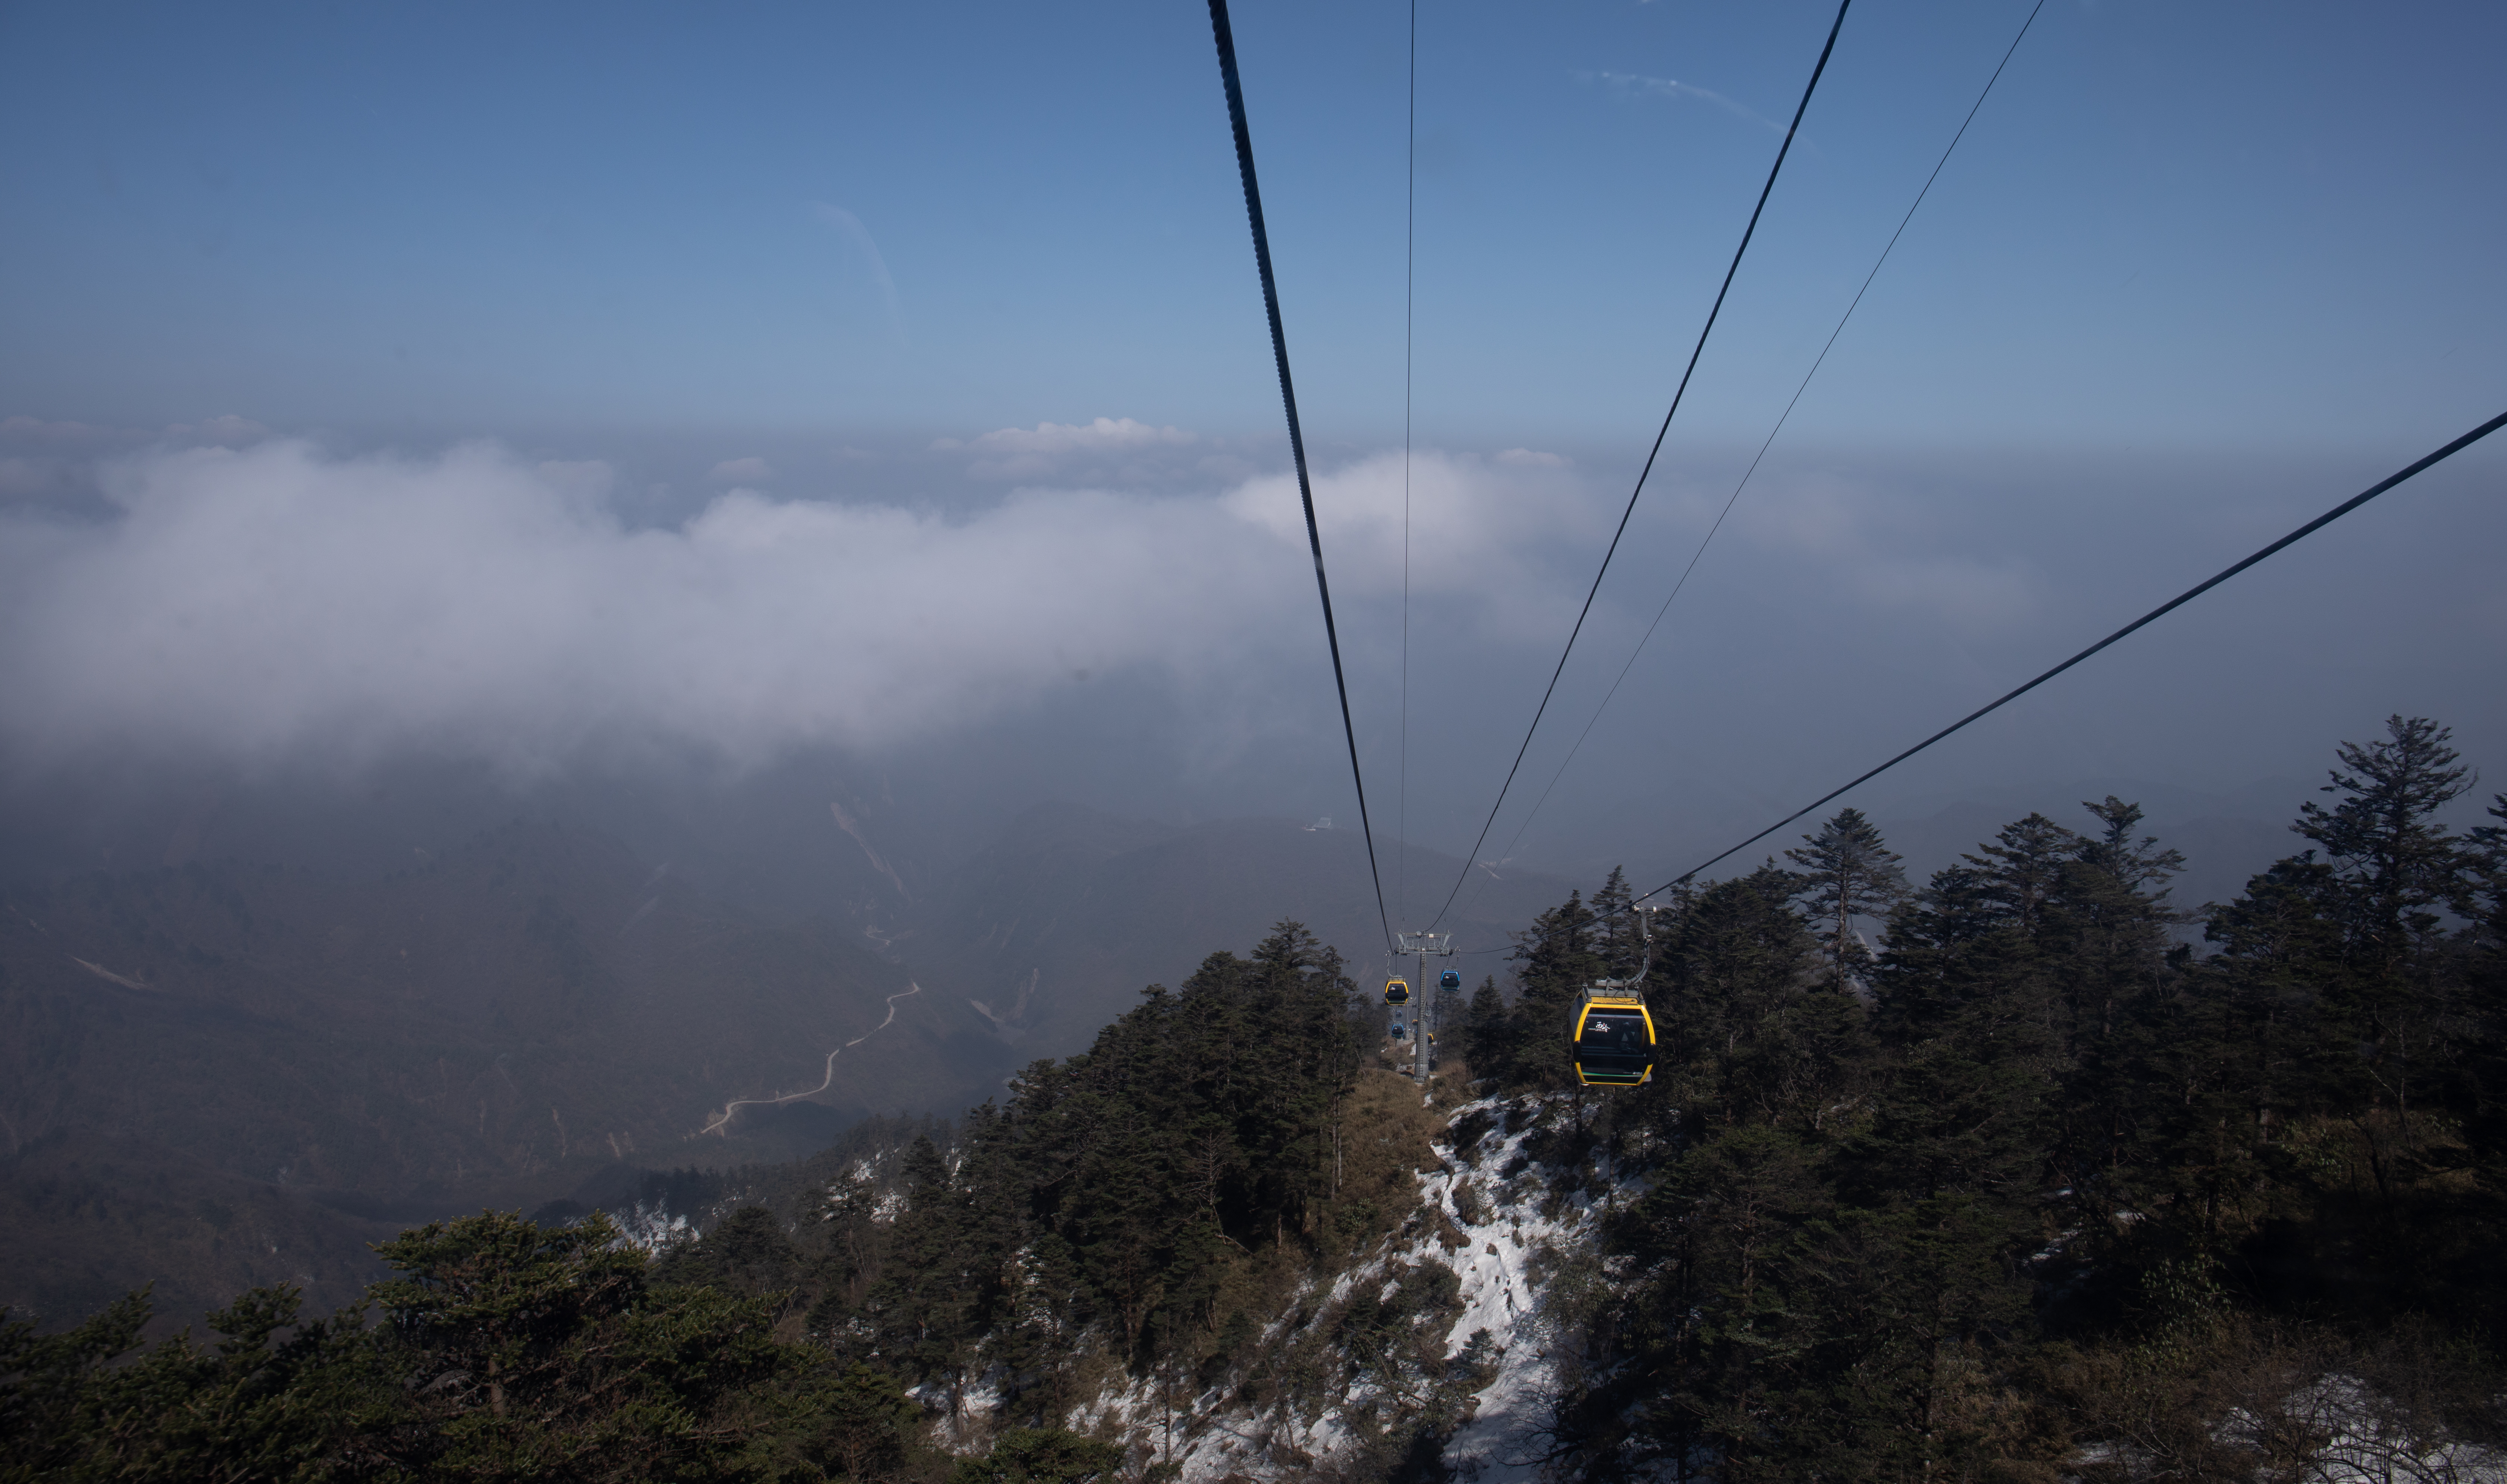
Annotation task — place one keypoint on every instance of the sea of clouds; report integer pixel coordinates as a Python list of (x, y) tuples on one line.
[(275, 602)]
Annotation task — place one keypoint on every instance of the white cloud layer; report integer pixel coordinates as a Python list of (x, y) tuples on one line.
[(276, 603), (1014, 452), (1069, 437)]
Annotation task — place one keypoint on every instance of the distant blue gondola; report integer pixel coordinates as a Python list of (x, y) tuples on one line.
[(1450, 979)]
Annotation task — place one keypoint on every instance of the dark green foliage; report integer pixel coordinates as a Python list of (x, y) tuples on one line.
[(319, 1403), (2038, 1174), (869, 1424), (1847, 872), (537, 1351), (2049, 1177), (1040, 1456), (1554, 958), (2481, 1092), (1111, 1190), (2383, 839), (1486, 1034), (507, 1351), (1114, 1204), (747, 1252), (1748, 1030)]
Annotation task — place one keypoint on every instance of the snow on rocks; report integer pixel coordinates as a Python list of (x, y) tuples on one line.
[(653, 1227), (1493, 1234), (1498, 1296)]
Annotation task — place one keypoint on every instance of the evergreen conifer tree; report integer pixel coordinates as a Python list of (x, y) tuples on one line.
[(1847, 872), (2107, 947), (1555, 957), (1618, 935), (2383, 837), (2392, 861), (1487, 1037)]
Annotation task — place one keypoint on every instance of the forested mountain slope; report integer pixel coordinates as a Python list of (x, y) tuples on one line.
[(2038, 1190), (2034, 1191)]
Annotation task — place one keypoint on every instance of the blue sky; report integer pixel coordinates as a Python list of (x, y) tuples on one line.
[(2212, 225), (2196, 272)]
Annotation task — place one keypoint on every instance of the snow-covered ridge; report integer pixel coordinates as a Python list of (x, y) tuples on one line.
[(1491, 1233), (653, 1227)]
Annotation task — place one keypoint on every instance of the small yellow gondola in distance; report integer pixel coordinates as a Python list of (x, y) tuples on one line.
[(1396, 991), (1614, 1039)]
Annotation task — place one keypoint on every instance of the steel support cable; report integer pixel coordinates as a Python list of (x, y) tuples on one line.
[(1641, 475), (1410, 300), (1227, 40), (1779, 428), (2169, 606)]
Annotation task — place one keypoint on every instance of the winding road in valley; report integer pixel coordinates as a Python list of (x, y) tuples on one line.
[(722, 1120)]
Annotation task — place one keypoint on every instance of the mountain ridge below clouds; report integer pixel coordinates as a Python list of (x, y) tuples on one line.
[(219, 1074), (491, 1026)]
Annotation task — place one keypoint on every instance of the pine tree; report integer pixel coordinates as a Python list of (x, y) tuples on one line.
[(542, 1352), (2383, 839), (1742, 1039), (746, 1253), (1040, 1456), (932, 1278), (2484, 1095), (1847, 872), (2242, 1052), (2393, 862), (868, 1422), (2023, 869), (1961, 1010), (1486, 1037), (1555, 958), (277, 1397), (1618, 934), (2107, 946)]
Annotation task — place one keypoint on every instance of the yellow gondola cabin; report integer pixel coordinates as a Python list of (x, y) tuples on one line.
[(1614, 1039)]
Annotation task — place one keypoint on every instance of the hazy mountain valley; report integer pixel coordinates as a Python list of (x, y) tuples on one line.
[(227, 1073), (2024, 1173)]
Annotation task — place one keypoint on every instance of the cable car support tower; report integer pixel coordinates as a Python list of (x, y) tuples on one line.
[(1424, 946)]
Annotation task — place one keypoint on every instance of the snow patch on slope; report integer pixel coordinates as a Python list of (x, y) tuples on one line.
[(1498, 1294), (1504, 1236)]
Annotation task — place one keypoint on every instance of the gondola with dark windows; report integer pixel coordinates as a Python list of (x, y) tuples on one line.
[(1614, 1038), (1396, 991), (1450, 980)]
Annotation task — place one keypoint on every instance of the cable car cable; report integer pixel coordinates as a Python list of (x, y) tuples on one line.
[(1409, 302), (2169, 606), (1781, 420), (1227, 40), (1700, 349)]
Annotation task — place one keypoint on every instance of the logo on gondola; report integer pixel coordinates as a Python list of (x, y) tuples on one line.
[(1396, 991)]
